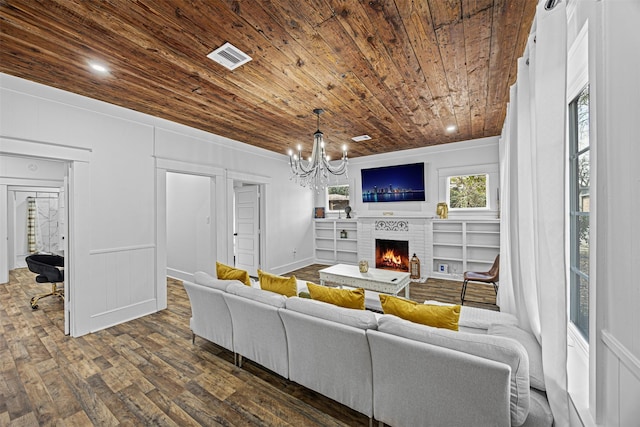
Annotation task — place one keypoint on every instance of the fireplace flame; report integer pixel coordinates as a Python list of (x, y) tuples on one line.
[(389, 258)]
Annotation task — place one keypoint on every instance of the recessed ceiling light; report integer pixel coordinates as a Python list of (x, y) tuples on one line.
[(98, 67), (361, 138), (451, 128)]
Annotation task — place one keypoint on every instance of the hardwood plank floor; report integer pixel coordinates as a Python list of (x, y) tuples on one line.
[(147, 372)]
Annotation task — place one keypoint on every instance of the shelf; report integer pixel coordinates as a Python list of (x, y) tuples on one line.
[(479, 261), (483, 232), (447, 259), (330, 247), (465, 245), (347, 251)]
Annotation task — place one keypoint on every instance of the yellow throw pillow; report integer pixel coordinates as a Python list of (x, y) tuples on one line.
[(438, 316), (226, 272), (347, 298), (286, 286)]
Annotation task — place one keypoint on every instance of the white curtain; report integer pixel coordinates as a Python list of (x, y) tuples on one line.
[(532, 159)]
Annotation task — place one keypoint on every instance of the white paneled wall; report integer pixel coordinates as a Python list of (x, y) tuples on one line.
[(122, 284), (115, 236)]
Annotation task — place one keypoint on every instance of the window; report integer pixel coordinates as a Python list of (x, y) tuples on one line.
[(467, 191), (337, 197), (579, 181)]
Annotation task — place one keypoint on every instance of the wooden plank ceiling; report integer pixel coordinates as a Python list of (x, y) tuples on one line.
[(401, 71)]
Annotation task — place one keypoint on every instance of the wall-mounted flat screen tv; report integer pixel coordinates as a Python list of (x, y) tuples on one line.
[(401, 183)]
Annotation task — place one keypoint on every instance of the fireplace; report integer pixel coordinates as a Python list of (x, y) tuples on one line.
[(392, 254)]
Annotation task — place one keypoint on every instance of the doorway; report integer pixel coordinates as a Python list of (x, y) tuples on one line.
[(190, 237), (35, 216), (36, 212)]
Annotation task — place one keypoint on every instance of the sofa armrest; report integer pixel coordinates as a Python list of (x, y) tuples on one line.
[(210, 316), (416, 383)]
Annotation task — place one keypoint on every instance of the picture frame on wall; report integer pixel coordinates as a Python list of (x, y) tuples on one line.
[(318, 212)]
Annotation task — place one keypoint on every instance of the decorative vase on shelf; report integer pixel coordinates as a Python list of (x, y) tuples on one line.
[(442, 210), (363, 265), (348, 212)]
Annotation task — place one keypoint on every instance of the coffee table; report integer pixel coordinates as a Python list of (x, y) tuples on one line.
[(376, 279)]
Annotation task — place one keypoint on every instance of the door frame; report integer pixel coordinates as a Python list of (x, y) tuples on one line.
[(164, 166), (221, 211), (235, 178), (76, 158)]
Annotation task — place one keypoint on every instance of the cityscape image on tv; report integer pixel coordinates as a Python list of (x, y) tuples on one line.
[(403, 183)]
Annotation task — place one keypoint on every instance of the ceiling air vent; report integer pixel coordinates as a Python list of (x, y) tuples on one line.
[(361, 138), (229, 56)]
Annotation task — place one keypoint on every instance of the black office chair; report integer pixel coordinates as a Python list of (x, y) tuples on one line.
[(46, 266)]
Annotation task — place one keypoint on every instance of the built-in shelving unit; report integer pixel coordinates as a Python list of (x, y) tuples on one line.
[(464, 245), (330, 244)]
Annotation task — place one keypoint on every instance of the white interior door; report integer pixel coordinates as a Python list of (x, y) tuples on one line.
[(247, 228)]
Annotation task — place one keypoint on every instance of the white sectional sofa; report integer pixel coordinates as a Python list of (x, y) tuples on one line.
[(389, 369)]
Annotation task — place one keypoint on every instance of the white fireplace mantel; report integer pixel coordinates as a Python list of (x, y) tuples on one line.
[(417, 230)]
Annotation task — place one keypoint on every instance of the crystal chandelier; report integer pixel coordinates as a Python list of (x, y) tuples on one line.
[(314, 172)]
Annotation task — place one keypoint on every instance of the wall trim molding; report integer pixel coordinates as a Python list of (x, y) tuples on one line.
[(122, 249), (622, 353), (180, 166), (43, 149)]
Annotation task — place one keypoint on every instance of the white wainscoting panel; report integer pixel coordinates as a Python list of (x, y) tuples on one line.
[(123, 284), (623, 392)]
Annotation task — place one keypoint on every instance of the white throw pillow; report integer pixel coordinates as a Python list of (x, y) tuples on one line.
[(361, 319), (256, 294)]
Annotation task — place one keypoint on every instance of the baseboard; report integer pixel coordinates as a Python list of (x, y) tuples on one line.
[(179, 274), (122, 314), (285, 268)]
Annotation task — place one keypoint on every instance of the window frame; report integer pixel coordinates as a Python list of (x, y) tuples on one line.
[(328, 206), (576, 274), (493, 188), (487, 192)]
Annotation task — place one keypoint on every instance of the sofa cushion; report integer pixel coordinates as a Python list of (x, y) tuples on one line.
[(226, 272), (496, 348), (539, 411), (437, 316), (347, 298), (286, 286), (361, 319), (473, 319), (255, 294), (205, 279), (531, 344)]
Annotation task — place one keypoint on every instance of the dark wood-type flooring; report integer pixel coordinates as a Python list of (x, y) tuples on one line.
[(147, 372)]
